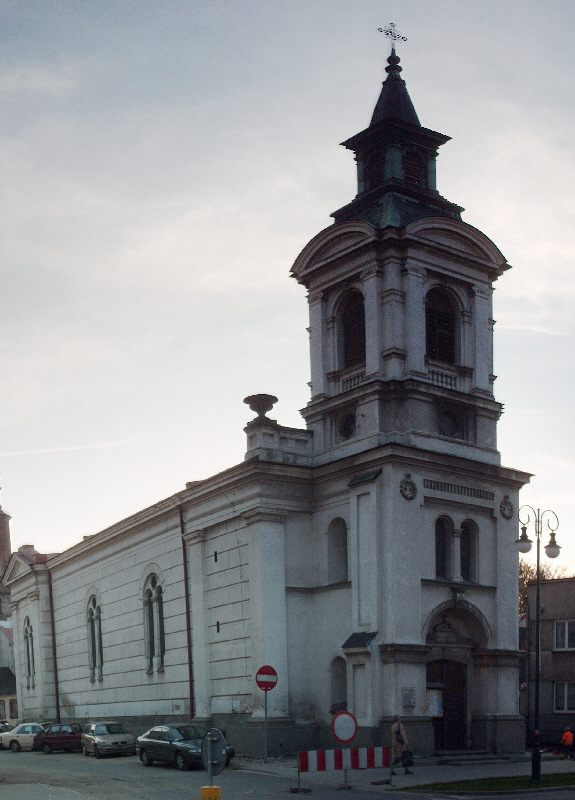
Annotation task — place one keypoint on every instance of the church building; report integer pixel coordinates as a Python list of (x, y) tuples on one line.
[(368, 557)]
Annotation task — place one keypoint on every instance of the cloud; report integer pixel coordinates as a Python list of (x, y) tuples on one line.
[(70, 448)]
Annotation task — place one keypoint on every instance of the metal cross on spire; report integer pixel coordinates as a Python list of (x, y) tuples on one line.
[(395, 35)]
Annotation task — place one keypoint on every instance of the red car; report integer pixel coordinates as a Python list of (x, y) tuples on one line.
[(59, 737)]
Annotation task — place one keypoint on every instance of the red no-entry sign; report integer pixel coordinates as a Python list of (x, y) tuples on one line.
[(344, 727), (266, 678)]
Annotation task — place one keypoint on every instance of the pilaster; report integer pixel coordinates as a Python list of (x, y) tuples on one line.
[(268, 610)]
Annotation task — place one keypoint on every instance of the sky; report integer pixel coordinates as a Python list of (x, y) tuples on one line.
[(163, 162)]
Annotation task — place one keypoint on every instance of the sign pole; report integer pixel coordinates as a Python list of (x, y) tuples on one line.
[(265, 727), (210, 761), (266, 679)]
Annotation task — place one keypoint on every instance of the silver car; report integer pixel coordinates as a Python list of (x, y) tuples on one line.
[(107, 738)]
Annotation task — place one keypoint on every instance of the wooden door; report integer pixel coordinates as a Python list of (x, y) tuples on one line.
[(449, 728)]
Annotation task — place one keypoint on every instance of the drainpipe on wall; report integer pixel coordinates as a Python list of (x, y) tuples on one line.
[(54, 657), (187, 601)]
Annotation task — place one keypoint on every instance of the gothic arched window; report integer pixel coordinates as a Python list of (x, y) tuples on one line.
[(440, 326), (154, 637), (30, 667), (352, 317), (94, 632), (337, 551), (443, 533)]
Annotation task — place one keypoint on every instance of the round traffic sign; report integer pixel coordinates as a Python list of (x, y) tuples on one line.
[(266, 678), (344, 727)]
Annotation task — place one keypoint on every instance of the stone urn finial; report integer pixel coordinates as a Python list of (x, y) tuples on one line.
[(261, 403)]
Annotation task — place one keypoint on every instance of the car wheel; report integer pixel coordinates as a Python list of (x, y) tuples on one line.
[(97, 753), (15, 746), (146, 760), (46, 748), (181, 762)]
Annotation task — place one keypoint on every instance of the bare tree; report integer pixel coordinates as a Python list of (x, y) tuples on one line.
[(528, 572)]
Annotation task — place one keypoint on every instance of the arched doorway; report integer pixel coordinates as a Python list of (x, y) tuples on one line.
[(447, 682), (454, 634)]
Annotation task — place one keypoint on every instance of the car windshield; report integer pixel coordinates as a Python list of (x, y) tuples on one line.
[(110, 728), (184, 732)]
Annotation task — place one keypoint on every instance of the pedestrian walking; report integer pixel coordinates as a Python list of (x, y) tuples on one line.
[(399, 746), (567, 743)]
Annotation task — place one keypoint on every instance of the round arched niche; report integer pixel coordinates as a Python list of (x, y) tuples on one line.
[(459, 626)]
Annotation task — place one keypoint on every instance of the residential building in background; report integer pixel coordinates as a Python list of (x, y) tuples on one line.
[(557, 659)]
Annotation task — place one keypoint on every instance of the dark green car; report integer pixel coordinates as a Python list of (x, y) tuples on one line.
[(180, 745)]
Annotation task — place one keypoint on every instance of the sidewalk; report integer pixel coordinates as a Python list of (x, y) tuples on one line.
[(425, 771)]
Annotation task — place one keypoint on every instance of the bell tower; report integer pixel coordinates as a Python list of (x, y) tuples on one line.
[(400, 303)]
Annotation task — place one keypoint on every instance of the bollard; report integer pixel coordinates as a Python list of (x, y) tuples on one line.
[(211, 793)]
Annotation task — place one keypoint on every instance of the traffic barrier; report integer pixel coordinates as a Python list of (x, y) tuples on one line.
[(348, 758)]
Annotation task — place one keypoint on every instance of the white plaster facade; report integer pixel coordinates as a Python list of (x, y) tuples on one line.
[(368, 557)]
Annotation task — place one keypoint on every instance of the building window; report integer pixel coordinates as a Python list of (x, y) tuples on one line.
[(338, 685), (154, 625), (29, 654), (337, 551), (564, 696), (13, 708), (373, 171), (94, 632), (564, 635), (352, 318), (440, 326), (468, 551), (413, 168), (443, 535)]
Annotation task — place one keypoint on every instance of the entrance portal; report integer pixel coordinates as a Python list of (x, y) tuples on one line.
[(447, 680)]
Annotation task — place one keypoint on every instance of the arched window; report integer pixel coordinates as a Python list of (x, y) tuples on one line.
[(443, 535), (352, 318), (154, 637), (94, 632), (338, 685), (440, 326), (29, 654), (337, 551), (468, 550)]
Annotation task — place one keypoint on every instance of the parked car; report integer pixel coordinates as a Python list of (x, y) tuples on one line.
[(107, 738), (5, 726), (180, 745), (59, 737), (21, 737)]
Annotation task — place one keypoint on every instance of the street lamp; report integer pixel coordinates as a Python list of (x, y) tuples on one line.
[(552, 550)]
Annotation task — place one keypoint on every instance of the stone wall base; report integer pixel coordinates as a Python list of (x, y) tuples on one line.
[(501, 735)]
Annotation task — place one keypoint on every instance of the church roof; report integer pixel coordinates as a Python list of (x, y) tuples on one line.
[(394, 101)]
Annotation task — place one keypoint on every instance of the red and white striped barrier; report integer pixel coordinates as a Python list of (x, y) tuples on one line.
[(350, 758)]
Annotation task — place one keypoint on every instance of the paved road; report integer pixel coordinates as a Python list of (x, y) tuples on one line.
[(35, 776)]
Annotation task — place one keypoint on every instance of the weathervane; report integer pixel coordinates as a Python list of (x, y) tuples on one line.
[(395, 35)]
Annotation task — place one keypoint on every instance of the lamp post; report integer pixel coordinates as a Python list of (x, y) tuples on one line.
[(537, 518)]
